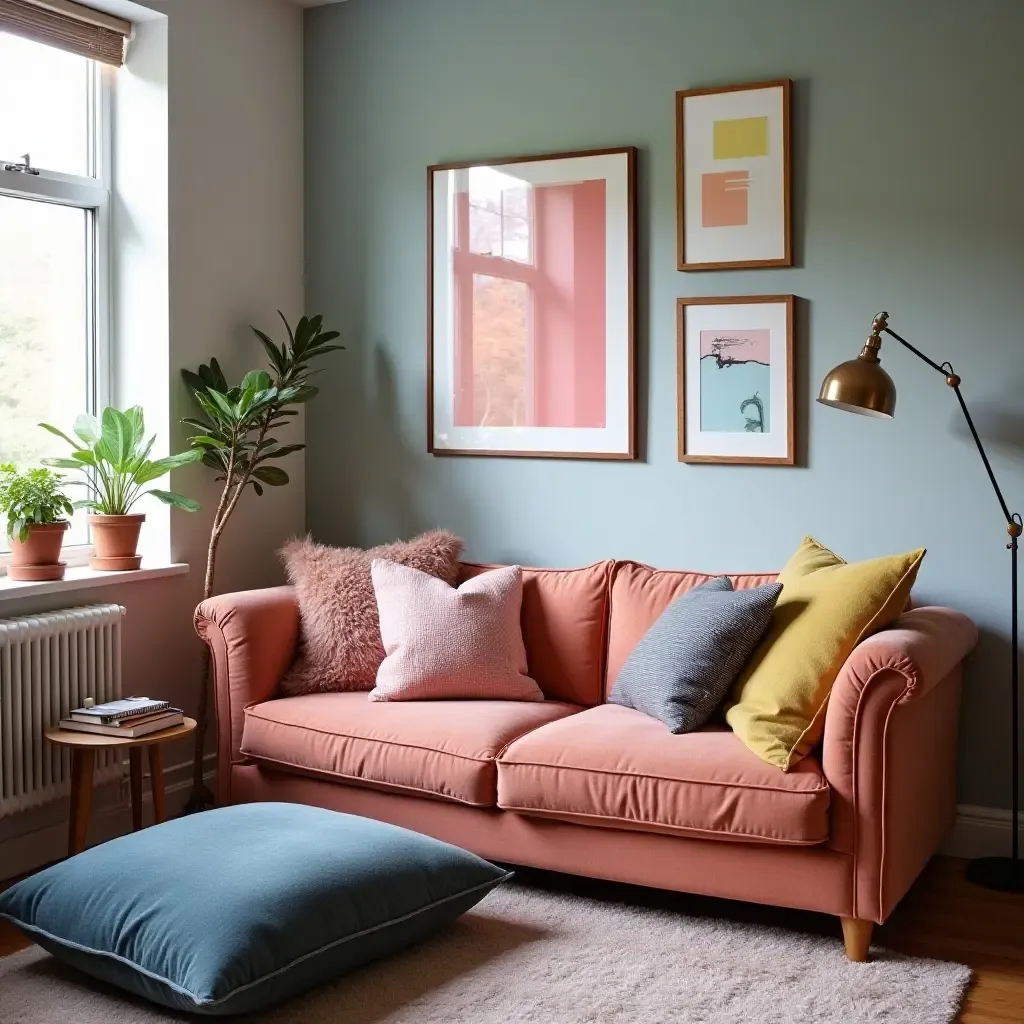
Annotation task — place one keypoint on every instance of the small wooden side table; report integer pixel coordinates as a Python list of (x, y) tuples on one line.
[(83, 757)]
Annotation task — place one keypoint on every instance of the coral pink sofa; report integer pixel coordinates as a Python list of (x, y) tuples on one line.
[(577, 785)]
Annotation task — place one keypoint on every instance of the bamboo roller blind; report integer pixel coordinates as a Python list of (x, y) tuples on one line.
[(67, 26)]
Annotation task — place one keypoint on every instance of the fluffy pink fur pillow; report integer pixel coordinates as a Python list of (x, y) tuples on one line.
[(339, 644), (448, 644)]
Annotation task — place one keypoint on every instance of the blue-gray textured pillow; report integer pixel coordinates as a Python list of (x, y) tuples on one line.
[(683, 667), (234, 909)]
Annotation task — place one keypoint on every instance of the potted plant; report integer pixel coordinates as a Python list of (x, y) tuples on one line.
[(35, 508), (114, 456), (234, 439)]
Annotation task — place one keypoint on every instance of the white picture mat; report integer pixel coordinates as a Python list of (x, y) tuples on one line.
[(764, 236), (744, 316), (613, 438)]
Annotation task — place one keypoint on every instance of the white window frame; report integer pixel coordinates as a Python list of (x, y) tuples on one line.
[(93, 193)]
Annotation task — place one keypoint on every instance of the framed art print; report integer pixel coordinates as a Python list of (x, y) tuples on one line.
[(736, 380), (532, 304), (733, 177)]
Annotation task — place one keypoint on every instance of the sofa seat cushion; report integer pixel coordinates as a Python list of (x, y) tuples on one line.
[(443, 748), (619, 768)]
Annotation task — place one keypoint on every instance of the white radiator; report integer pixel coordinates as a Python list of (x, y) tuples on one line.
[(49, 664)]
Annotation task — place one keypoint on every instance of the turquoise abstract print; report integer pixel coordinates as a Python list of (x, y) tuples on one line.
[(735, 381)]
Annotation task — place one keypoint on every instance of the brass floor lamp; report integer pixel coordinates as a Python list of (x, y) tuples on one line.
[(862, 386)]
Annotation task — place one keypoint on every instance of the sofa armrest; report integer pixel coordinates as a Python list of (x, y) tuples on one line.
[(251, 636), (889, 751)]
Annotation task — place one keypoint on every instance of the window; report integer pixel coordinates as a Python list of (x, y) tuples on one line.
[(500, 215), (54, 197)]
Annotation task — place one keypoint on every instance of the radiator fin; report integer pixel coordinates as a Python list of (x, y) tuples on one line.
[(49, 664)]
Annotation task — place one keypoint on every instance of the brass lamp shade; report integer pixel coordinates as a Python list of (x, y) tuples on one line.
[(861, 386)]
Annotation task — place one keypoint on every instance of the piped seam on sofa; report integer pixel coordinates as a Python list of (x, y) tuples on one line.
[(661, 778), (909, 685), (356, 780), (682, 829), (487, 759)]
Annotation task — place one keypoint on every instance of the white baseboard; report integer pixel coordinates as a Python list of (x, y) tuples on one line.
[(980, 832), (33, 850)]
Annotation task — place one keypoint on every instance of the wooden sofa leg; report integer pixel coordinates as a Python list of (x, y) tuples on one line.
[(857, 938)]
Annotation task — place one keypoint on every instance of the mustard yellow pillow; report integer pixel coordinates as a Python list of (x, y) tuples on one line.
[(827, 606)]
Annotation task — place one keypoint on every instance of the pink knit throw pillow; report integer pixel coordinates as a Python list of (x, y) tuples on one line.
[(339, 641), (445, 643)]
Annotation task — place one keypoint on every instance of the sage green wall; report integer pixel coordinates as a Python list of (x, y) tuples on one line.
[(907, 171)]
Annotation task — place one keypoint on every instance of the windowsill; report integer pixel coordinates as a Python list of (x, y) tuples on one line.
[(83, 578)]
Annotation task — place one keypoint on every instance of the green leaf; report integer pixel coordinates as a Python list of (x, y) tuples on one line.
[(227, 408), (274, 476), (280, 453), (323, 337), (193, 380), (177, 500), (137, 421), (84, 457), (218, 380), (256, 487), (258, 380), (85, 503), (62, 463), (87, 428), (203, 425), (118, 432), (205, 441), (287, 327), (60, 433), (276, 355)]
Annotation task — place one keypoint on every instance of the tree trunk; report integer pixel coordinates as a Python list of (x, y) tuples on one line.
[(201, 799)]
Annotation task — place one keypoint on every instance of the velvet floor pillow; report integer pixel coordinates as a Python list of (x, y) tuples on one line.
[(339, 641), (234, 909)]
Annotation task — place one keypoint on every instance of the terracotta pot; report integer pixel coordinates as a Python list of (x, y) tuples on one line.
[(37, 557), (115, 539)]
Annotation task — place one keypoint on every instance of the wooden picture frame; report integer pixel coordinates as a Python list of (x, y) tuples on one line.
[(528, 411), (733, 177), (750, 340)]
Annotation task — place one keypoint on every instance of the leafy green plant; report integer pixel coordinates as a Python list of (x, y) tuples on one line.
[(113, 455), (235, 438), (31, 498)]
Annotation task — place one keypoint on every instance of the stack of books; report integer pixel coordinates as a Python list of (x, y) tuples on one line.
[(130, 717)]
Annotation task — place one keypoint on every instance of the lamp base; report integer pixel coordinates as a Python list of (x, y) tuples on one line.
[(1004, 874)]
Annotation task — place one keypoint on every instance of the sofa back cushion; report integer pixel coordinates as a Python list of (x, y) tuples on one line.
[(640, 593), (564, 619)]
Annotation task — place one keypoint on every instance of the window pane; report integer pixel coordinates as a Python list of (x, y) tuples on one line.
[(484, 231), (43, 331), (516, 239), (500, 351), (44, 106)]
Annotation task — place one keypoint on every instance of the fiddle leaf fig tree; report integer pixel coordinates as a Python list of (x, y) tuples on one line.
[(235, 429)]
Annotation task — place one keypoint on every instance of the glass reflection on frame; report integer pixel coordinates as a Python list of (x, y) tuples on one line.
[(532, 306)]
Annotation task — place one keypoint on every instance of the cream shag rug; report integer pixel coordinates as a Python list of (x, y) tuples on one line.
[(530, 956)]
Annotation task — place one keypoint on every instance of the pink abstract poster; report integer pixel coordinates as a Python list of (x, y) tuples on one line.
[(724, 199)]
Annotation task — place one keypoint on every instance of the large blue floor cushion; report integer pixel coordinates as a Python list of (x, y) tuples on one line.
[(237, 908)]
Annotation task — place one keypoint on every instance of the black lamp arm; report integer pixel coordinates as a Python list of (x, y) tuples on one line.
[(1013, 519)]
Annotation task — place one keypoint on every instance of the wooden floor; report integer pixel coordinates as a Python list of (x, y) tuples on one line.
[(943, 917)]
